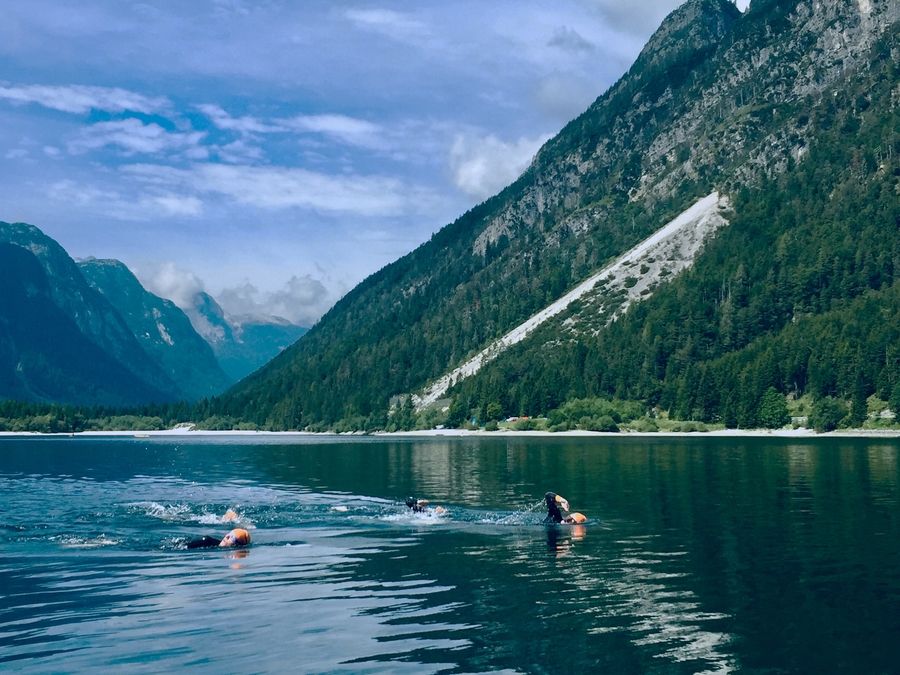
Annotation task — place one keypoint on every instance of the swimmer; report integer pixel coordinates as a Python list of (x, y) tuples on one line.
[(556, 504), (230, 516), (421, 505), (236, 538), (417, 505)]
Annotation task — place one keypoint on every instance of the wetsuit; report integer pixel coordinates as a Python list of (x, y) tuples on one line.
[(417, 505), (204, 542), (554, 515)]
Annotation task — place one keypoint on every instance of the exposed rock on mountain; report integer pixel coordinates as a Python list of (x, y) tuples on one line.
[(162, 329), (607, 294)]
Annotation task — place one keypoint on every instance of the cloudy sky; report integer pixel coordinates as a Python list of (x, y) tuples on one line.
[(277, 152)]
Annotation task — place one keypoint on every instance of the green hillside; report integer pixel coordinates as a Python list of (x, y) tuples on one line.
[(796, 126), (44, 356)]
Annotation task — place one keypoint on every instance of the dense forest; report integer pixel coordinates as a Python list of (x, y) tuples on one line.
[(800, 294)]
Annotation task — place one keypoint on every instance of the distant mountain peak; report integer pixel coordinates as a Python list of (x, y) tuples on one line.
[(208, 319), (44, 354), (241, 343)]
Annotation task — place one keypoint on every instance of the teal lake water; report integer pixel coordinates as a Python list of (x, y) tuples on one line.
[(701, 555)]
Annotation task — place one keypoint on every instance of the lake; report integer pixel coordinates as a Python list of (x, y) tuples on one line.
[(701, 554)]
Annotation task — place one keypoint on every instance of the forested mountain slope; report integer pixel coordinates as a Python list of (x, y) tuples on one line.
[(716, 101), (92, 313), (800, 292), (44, 356)]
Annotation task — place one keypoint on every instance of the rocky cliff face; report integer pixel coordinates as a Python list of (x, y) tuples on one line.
[(162, 329), (713, 99), (717, 101)]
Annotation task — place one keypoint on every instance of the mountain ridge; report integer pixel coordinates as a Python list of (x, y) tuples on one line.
[(646, 149), (44, 355), (163, 330), (94, 315), (668, 250), (145, 348)]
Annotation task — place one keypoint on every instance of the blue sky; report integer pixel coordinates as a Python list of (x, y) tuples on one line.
[(276, 153)]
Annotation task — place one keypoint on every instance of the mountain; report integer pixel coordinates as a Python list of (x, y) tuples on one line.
[(92, 314), (208, 319), (788, 112), (241, 344), (256, 342), (44, 355), (162, 329)]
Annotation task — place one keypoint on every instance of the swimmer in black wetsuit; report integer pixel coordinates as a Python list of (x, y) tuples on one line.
[(417, 505), (421, 505), (554, 501), (556, 504), (236, 538)]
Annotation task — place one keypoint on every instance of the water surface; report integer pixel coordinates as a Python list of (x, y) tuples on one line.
[(701, 555)]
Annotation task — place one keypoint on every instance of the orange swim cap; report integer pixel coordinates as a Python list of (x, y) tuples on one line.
[(576, 518), (230, 515), (237, 537)]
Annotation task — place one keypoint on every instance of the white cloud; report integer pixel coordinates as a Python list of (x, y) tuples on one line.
[(349, 130), (16, 153), (484, 165), (82, 99), (395, 25), (169, 281), (342, 128), (145, 207), (238, 152), (133, 136), (177, 205), (244, 125), (82, 195), (270, 187), (302, 300)]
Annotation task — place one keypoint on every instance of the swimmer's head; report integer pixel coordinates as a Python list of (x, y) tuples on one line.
[(237, 537), (416, 504), (556, 502), (230, 515)]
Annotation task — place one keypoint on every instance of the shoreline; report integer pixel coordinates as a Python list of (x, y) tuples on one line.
[(464, 433)]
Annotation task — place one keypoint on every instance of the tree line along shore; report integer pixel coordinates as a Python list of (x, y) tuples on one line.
[(775, 412)]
